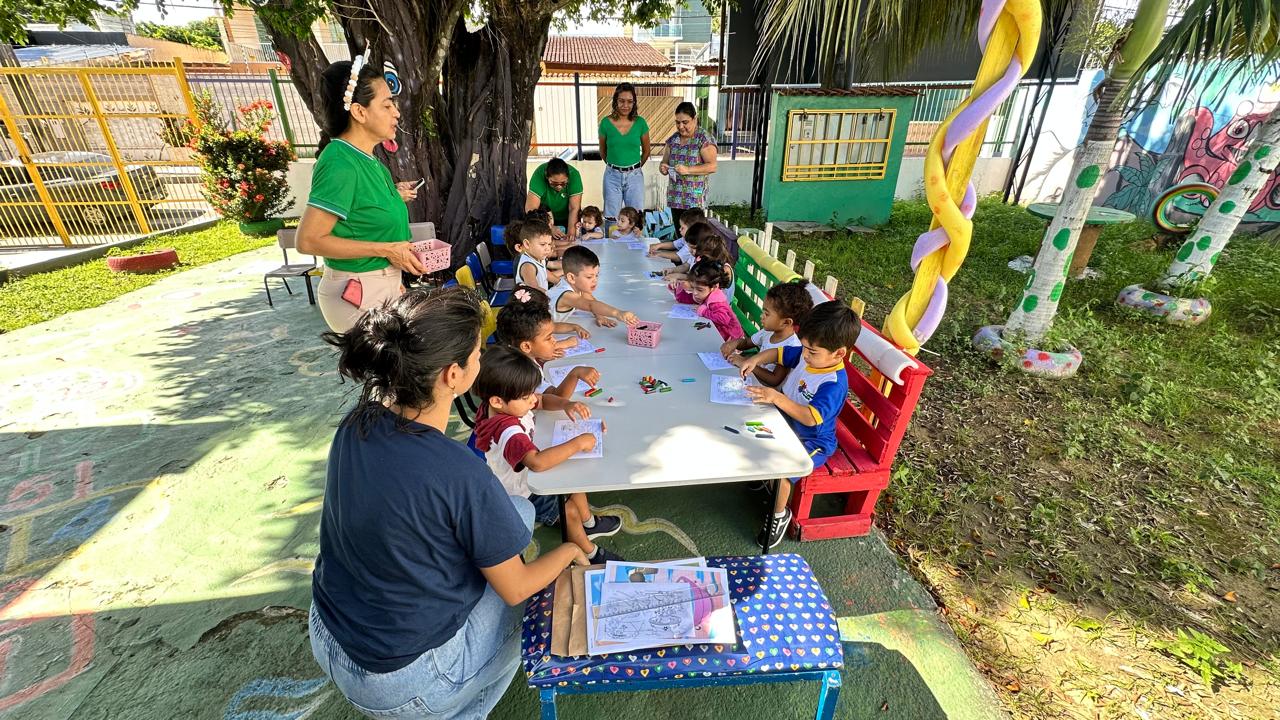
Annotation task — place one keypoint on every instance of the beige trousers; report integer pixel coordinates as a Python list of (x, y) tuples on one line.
[(377, 287)]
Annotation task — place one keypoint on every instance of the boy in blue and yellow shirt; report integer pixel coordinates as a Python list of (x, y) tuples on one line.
[(812, 395)]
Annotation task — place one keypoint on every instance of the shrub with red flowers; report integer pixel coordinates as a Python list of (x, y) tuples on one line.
[(243, 173)]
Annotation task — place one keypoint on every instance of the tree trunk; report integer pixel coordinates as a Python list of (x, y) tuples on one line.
[(1198, 255), (467, 105), (1033, 316)]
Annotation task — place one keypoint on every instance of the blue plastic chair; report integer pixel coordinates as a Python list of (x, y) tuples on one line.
[(658, 224), (496, 298), (501, 268)]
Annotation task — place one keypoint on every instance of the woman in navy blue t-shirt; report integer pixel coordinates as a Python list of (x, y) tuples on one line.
[(416, 591)]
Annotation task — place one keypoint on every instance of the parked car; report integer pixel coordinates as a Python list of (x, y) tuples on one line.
[(589, 152), (94, 181)]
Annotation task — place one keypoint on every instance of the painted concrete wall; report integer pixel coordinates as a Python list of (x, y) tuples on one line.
[(867, 202)]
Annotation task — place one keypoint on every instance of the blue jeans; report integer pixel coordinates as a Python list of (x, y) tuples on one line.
[(622, 189), (463, 678)]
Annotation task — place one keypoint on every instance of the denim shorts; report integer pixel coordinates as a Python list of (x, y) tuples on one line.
[(546, 509), (463, 678)]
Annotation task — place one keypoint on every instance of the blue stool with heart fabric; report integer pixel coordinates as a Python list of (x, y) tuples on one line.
[(786, 633)]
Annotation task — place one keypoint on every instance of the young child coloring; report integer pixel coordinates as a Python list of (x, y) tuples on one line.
[(504, 433), (627, 226), (704, 244), (575, 290), (812, 395), (513, 327), (785, 307), (531, 244), (685, 221), (590, 224), (705, 286)]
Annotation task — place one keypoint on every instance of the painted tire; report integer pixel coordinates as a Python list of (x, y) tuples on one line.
[(146, 262), (1040, 363), (1160, 212), (1173, 310)]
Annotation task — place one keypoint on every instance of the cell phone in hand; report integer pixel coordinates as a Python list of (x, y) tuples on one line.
[(420, 183)]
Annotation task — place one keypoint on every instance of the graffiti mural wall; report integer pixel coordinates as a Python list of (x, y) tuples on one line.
[(1202, 140)]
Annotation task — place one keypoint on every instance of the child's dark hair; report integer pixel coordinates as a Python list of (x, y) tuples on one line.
[(542, 212), (397, 350), (511, 236), (631, 214), (525, 311), (532, 230), (507, 374), (831, 325), (577, 258), (333, 87), (711, 247), (692, 215), (593, 212), (710, 273), (697, 232), (790, 300)]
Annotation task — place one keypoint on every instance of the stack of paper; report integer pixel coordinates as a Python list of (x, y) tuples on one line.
[(632, 606)]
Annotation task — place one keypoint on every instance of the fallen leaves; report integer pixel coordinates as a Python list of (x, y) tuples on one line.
[(1230, 596)]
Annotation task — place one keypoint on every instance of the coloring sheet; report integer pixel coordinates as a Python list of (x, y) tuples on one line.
[(729, 390), (556, 375), (637, 246), (684, 312), (653, 613), (582, 348), (566, 430), (714, 361)]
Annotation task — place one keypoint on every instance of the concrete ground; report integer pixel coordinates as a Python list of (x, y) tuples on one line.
[(161, 465)]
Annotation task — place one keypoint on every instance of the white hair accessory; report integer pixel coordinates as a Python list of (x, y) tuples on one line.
[(357, 63)]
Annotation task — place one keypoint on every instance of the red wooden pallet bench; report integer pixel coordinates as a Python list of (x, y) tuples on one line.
[(868, 432), (871, 425)]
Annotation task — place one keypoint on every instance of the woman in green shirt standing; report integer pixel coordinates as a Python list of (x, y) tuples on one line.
[(624, 147), (356, 218), (557, 186)]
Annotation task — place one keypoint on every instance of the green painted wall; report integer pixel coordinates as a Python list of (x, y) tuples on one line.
[(865, 202)]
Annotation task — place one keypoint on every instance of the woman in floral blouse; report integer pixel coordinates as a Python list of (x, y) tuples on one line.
[(690, 156)]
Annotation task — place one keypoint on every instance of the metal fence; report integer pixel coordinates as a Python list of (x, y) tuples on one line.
[(232, 90), (94, 154)]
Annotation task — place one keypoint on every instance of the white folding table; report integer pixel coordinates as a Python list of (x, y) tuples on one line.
[(675, 438)]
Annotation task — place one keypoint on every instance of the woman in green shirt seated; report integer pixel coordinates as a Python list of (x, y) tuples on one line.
[(624, 147), (356, 218), (557, 186)]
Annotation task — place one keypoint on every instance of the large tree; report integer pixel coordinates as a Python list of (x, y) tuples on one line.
[(469, 68)]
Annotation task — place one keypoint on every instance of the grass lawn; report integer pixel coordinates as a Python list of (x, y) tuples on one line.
[(1073, 528), (43, 296)]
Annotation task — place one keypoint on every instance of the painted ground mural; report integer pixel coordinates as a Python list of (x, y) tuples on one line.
[(1200, 141)]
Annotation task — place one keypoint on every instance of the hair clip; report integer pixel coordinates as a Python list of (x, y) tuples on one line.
[(522, 295), (392, 77), (357, 63)]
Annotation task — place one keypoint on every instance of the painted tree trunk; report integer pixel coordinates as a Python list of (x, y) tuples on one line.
[(1198, 255), (1034, 314), (465, 109)]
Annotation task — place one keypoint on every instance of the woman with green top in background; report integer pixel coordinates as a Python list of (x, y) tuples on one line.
[(356, 218), (624, 147), (557, 186)]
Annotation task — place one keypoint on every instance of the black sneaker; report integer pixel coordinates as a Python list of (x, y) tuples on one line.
[(780, 525), (602, 555), (605, 526)]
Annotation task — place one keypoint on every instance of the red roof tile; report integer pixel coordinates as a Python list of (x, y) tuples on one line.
[(610, 52)]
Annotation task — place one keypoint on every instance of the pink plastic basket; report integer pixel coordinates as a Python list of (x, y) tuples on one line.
[(434, 254), (644, 334)]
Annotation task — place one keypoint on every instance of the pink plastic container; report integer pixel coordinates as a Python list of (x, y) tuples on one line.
[(644, 334), (434, 254)]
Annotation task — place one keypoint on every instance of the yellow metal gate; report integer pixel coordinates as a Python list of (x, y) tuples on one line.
[(95, 154)]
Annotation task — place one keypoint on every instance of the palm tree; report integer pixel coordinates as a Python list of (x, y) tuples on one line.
[(1033, 315), (1239, 33), (1254, 52)]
